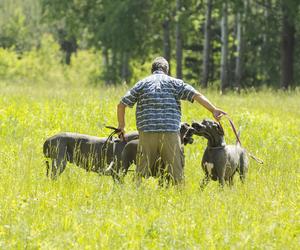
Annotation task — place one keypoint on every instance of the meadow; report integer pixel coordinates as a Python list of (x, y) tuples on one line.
[(82, 210)]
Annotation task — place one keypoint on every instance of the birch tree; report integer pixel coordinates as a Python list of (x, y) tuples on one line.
[(239, 51), (166, 41), (178, 41), (287, 47), (207, 44), (224, 47)]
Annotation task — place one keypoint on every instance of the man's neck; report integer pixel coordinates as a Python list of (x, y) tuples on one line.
[(158, 72)]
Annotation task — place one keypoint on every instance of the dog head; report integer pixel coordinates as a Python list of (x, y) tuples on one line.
[(185, 133), (211, 130)]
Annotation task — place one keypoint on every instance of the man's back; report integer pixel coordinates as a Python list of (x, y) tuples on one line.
[(158, 102)]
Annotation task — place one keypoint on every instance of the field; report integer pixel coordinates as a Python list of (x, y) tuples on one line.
[(82, 210)]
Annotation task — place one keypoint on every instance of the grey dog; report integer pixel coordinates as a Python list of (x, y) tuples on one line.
[(100, 155), (106, 156), (220, 161)]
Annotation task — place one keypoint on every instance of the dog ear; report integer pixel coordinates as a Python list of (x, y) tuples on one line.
[(184, 127), (197, 125), (187, 137), (220, 129)]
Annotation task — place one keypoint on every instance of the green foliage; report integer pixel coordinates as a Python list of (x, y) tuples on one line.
[(15, 33), (34, 65), (85, 68), (67, 16), (42, 65), (130, 31), (20, 22), (82, 210), (140, 70)]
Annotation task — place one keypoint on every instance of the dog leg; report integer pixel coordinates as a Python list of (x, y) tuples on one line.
[(62, 165), (204, 182), (230, 181), (57, 168), (220, 171), (243, 168), (53, 174), (59, 164), (222, 181), (128, 156), (47, 168), (242, 178), (111, 170)]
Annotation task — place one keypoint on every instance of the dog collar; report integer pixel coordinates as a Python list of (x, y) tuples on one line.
[(212, 148)]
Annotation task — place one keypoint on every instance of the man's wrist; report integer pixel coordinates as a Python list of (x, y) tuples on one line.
[(121, 126), (213, 109)]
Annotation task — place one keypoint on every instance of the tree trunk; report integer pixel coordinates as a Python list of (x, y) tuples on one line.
[(67, 44), (178, 43), (239, 52), (206, 47), (125, 67), (105, 63), (287, 49), (267, 9), (166, 41), (266, 48), (114, 72), (224, 49)]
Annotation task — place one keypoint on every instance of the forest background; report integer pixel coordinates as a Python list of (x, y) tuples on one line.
[(226, 44)]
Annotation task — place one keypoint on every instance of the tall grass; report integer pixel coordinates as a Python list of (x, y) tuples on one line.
[(84, 210)]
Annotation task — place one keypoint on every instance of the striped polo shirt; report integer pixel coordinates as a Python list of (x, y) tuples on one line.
[(158, 102)]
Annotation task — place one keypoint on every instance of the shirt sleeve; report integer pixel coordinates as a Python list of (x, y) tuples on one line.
[(185, 91), (131, 97)]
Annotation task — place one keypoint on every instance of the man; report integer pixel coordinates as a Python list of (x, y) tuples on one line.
[(158, 117)]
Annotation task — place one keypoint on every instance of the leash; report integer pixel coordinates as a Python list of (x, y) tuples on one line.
[(109, 138), (233, 129), (105, 144), (116, 130), (238, 139)]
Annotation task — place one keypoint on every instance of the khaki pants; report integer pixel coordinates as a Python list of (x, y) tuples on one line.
[(155, 147)]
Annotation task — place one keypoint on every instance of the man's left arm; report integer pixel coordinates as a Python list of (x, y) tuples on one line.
[(201, 99), (187, 92)]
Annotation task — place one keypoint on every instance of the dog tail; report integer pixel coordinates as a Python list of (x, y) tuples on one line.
[(237, 142), (243, 168)]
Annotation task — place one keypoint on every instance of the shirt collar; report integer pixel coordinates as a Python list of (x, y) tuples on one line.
[(158, 72)]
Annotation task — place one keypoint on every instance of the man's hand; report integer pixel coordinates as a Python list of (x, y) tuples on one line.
[(122, 129), (218, 113), (121, 133)]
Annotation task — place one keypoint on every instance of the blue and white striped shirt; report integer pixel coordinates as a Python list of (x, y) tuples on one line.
[(158, 102)]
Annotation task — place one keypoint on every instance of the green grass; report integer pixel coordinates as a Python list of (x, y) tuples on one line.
[(85, 211)]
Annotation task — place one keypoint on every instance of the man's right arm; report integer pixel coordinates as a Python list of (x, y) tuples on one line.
[(121, 116), (128, 100)]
